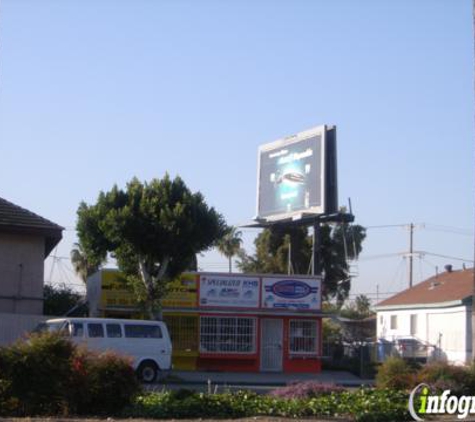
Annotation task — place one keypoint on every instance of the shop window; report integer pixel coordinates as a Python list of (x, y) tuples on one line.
[(227, 335), (303, 336), (183, 332)]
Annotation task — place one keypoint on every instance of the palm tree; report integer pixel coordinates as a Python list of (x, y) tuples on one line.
[(83, 266), (230, 244)]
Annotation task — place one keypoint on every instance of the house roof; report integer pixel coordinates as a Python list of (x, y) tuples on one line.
[(15, 219), (450, 286)]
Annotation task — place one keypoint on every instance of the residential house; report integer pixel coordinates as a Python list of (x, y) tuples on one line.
[(436, 312), (26, 239)]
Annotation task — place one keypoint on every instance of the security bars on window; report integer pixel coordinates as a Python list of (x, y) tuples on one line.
[(227, 335), (303, 336), (183, 331)]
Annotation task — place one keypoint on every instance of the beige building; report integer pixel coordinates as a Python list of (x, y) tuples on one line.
[(26, 239)]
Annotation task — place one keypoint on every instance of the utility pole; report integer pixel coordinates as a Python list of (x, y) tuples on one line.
[(317, 257), (289, 257), (411, 250)]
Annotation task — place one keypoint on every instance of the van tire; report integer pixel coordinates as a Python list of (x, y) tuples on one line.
[(147, 371)]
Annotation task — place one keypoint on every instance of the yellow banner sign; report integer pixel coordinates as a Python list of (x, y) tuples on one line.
[(115, 292), (182, 292)]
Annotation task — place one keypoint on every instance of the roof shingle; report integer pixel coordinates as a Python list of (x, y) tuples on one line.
[(13, 216), (15, 219), (446, 287)]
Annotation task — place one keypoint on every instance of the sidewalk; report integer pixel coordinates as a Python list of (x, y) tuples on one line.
[(342, 378)]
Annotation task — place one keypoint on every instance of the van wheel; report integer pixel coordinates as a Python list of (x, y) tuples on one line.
[(147, 371)]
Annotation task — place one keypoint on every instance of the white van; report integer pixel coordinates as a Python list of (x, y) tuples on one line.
[(147, 342)]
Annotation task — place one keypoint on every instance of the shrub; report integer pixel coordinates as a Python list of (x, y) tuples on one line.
[(443, 376), (308, 389), (38, 373), (108, 383), (395, 373), (363, 405), (48, 375)]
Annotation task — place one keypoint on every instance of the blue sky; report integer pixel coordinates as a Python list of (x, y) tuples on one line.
[(93, 93)]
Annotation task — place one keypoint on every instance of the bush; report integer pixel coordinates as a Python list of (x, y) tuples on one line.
[(395, 373), (443, 376), (107, 383), (48, 375), (37, 374), (362, 406), (304, 390)]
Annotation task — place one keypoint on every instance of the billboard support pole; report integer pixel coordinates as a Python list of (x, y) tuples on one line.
[(317, 258)]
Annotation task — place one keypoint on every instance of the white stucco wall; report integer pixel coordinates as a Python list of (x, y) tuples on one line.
[(447, 328), (21, 273)]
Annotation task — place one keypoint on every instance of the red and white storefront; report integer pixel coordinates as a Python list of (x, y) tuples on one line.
[(229, 322), (259, 323)]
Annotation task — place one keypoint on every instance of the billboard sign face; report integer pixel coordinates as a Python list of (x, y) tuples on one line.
[(291, 294), (233, 291), (292, 175)]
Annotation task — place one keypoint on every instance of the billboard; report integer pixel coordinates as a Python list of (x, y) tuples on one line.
[(234, 291), (292, 293), (297, 175)]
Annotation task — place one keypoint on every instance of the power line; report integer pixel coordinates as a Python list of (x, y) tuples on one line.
[(386, 226), (446, 257)]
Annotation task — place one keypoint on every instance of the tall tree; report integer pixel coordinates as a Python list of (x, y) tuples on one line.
[(84, 265), (339, 244), (154, 230), (230, 244)]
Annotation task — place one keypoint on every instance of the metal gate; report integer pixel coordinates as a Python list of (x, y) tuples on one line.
[(271, 345)]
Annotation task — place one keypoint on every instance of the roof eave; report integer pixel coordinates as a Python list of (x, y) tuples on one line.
[(52, 235), (397, 307)]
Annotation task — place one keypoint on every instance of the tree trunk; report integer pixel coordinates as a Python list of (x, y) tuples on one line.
[(231, 260), (152, 303)]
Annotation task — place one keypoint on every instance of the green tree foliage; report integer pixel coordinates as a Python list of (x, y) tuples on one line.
[(154, 230), (230, 244), (359, 309), (339, 243), (59, 300)]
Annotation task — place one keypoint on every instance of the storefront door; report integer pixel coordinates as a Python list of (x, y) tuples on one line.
[(271, 345)]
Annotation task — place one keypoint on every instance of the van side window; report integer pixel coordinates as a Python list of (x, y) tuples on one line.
[(113, 330), (77, 329), (142, 331), (95, 330)]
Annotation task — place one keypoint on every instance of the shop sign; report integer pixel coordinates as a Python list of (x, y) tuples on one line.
[(229, 291), (293, 294), (182, 292), (115, 291)]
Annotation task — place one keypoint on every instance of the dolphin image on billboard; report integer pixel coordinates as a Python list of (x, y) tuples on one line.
[(291, 175)]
